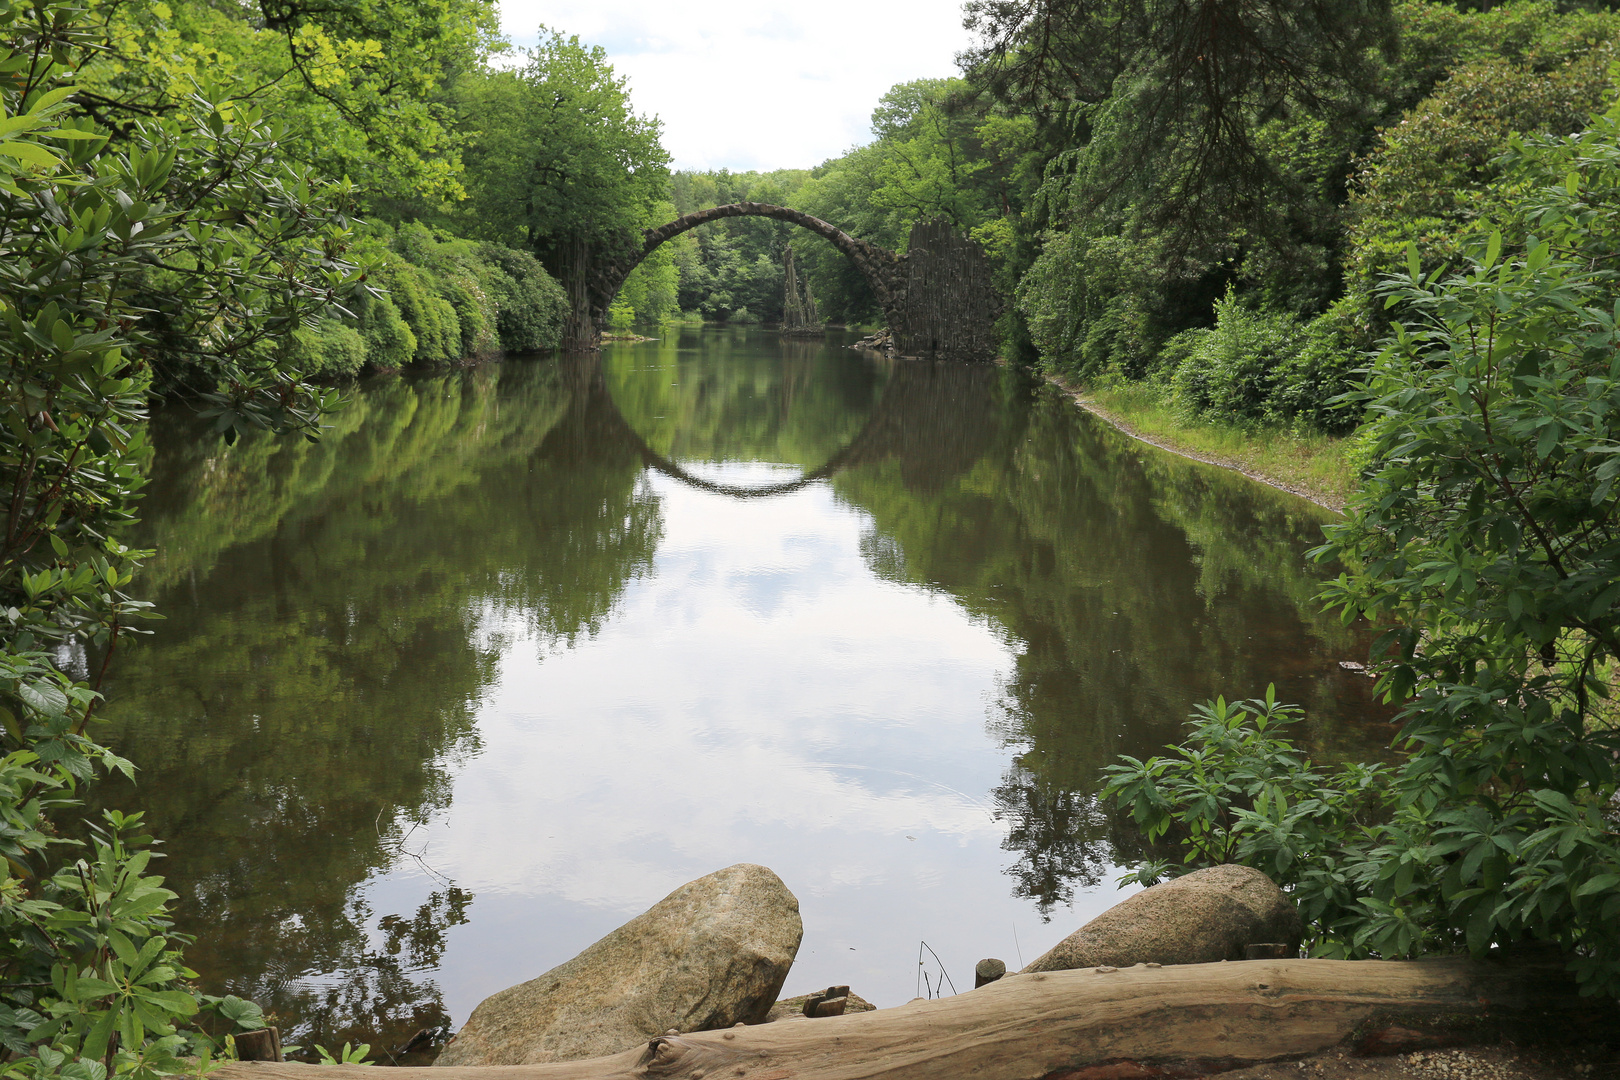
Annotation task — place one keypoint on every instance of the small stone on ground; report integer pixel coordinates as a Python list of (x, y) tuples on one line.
[(787, 1008)]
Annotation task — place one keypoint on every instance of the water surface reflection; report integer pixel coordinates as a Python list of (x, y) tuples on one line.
[(515, 651)]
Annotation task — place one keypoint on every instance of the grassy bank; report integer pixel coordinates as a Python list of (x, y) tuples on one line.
[(1316, 466)]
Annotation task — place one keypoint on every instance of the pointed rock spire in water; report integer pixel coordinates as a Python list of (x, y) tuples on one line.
[(799, 315)]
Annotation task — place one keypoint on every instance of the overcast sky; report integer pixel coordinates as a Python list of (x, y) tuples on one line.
[(762, 84)]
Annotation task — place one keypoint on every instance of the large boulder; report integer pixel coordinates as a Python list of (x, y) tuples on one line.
[(710, 954), (1207, 915)]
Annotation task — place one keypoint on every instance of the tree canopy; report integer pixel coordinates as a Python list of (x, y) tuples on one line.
[(559, 156), (1168, 102)]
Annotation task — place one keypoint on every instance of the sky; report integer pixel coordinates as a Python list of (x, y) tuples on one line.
[(765, 84)]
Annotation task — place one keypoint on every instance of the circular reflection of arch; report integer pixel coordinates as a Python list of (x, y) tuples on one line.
[(934, 415), (862, 448)]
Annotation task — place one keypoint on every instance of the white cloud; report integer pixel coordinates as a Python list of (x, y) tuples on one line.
[(757, 85)]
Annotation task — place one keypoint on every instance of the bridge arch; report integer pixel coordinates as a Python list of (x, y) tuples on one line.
[(882, 268), (939, 298)]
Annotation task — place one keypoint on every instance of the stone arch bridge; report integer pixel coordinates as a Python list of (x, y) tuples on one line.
[(938, 298)]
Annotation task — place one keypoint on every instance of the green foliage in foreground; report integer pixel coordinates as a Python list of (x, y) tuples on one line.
[(1377, 864), (1486, 540), (1237, 790), (248, 249), (100, 988), (349, 1055)]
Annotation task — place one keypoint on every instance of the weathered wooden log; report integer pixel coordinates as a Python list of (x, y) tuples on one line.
[(1096, 1022), (988, 971), (1270, 950), (263, 1044)]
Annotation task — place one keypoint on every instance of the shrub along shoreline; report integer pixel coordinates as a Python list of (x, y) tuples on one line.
[(440, 300)]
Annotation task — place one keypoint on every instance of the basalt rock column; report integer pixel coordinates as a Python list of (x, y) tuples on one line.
[(948, 306), (583, 322)]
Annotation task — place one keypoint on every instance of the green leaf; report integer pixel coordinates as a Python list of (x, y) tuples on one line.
[(242, 1012), (122, 948), (47, 101), (174, 1002), (1548, 440), (88, 987), (1601, 883), (43, 698), (30, 154), (95, 1043)]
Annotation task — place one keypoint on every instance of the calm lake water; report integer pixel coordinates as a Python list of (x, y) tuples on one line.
[(515, 651)]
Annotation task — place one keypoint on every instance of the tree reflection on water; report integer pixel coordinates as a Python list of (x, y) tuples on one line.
[(336, 613), (325, 646)]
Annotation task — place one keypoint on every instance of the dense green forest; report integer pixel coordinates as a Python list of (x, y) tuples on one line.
[(1228, 256), (1386, 217)]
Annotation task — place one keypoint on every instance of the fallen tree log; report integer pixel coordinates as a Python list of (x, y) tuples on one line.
[(1101, 1024)]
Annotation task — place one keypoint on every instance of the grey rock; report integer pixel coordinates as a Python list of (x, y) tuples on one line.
[(1208, 915), (711, 954)]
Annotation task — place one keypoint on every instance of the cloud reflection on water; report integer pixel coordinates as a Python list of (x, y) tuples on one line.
[(713, 719)]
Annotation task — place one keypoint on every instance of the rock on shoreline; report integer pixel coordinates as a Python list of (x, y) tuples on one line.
[(711, 954), (1208, 915)]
